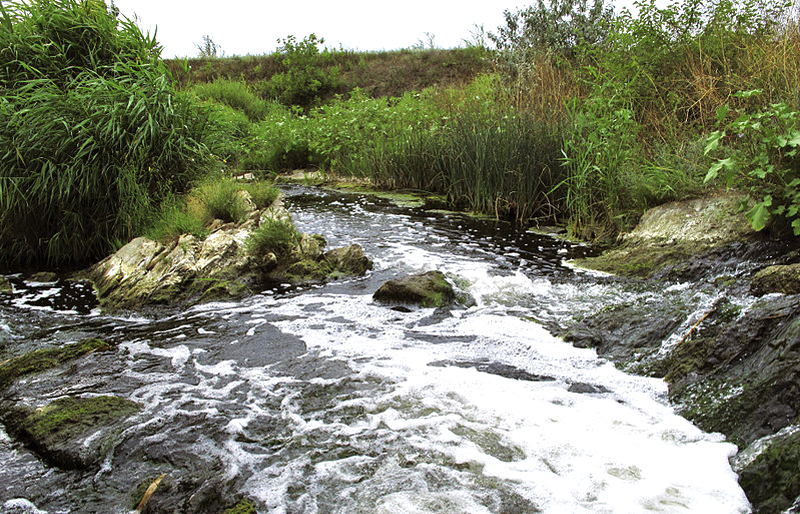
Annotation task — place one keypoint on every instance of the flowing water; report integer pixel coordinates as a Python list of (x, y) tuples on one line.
[(318, 400)]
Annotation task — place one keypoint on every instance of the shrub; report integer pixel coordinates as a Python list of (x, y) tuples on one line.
[(304, 80), (274, 235), (92, 133)]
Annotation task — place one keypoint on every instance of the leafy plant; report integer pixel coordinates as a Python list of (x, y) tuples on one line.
[(765, 160)]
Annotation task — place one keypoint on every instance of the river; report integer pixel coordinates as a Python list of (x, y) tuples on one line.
[(319, 400)]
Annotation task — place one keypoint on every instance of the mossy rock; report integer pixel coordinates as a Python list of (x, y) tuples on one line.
[(772, 480), (71, 432), (241, 507), (309, 271), (777, 279), (349, 260), (5, 285), (46, 358), (429, 289)]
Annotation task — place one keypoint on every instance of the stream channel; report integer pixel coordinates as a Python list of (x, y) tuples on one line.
[(320, 400)]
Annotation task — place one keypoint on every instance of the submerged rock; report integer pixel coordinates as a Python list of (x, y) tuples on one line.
[(71, 432), (430, 289), (46, 358)]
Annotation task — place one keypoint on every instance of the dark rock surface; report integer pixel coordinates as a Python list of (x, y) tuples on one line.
[(736, 369)]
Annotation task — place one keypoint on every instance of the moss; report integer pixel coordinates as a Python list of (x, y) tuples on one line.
[(58, 431), (47, 358), (211, 289), (772, 480), (241, 507), (67, 416), (308, 270), (639, 261)]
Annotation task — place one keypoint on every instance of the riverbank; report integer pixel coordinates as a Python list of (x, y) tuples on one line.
[(732, 364)]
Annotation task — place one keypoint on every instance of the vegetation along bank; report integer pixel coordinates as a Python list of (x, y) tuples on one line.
[(568, 114)]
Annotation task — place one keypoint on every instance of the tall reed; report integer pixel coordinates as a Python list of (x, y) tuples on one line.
[(90, 139), (500, 164)]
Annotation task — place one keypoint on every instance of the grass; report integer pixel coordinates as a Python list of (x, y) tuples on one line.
[(274, 235), (235, 94), (215, 198)]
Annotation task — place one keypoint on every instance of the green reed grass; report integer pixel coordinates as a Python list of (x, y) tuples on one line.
[(90, 140), (504, 165)]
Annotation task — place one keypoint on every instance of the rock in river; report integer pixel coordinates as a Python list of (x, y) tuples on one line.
[(430, 289)]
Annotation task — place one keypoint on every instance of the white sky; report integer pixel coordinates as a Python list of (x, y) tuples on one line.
[(242, 27)]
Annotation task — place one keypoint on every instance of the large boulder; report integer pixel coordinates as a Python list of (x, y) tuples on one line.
[(430, 289), (217, 267), (672, 233)]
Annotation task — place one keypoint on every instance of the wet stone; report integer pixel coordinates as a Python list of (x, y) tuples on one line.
[(72, 432)]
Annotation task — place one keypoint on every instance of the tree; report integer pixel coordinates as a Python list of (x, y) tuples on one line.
[(561, 27)]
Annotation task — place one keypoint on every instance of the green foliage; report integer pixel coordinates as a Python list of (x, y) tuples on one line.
[(342, 133), (765, 160), (560, 27), (91, 131), (263, 194), (306, 79), (234, 94), (273, 235), (599, 151)]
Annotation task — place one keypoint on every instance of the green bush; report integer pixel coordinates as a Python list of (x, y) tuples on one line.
[(765, 160), (92, 133), (305, 79), (274, 235)]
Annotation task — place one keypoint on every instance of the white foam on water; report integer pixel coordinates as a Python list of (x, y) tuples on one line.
[(621, 450)]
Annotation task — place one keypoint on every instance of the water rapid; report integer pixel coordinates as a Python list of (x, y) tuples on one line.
[(319, 400)]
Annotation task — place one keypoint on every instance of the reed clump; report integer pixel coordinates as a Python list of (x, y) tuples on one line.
[(93, 133)]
